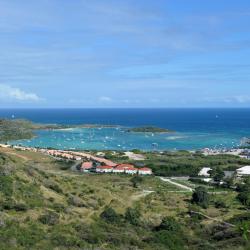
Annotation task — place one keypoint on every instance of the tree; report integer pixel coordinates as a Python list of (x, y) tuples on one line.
[(229, 182), (136, 180), (217, 174), (201, 197), (133, 215), (244, 192)]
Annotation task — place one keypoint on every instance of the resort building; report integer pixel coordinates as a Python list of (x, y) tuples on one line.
[(119, 170), (145, 171), (243, 171), (131, 170), (104, 169)]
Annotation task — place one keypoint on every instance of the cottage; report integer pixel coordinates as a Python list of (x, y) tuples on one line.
[(145, 171), (104, 169), (86, 166), (243, 171), (204, 172)]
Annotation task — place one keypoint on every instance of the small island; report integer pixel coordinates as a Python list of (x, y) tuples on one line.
[(150, 129)]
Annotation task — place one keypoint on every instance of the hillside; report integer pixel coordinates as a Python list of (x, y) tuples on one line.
[(44, 205)]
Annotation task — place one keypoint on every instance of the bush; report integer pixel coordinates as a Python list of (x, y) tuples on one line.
[(54, 186), (136, 180), (6, 185), (50, 218), (110, 215), (133, 216), (169, 239), (220, 204), (21, 207), (170, 224), (201, 197)]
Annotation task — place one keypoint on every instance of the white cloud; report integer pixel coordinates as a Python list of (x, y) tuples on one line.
[(242, 98), (8, 93), (105, 99)]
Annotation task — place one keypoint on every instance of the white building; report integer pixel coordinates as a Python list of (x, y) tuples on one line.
[(205, 172), (131, 170), (119, 170), (243, 171), (145, 171), (104, 169)]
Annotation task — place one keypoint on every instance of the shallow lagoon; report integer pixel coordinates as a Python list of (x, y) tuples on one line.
[(119, 139)]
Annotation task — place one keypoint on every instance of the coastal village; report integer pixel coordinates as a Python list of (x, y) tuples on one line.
[(89, 162)]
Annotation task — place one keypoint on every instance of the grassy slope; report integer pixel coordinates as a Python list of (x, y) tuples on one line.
[(35, 185)]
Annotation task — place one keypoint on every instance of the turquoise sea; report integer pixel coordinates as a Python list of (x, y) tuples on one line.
[(195, 128)]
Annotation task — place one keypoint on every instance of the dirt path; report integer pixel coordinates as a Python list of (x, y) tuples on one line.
[(17, 155), (213, 219), (141, 195), (177, 184)]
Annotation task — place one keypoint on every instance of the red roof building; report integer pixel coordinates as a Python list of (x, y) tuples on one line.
[(86, 166), (145, 171)]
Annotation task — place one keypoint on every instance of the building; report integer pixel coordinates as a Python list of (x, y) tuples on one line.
[(119, 170), (104, 169), (145, 171), (204, 172), (86, 166), (77, 158), (131, 170), (243, 171), (125, 166)]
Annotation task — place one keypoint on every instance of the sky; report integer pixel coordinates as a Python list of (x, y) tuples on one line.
[(124, 53)]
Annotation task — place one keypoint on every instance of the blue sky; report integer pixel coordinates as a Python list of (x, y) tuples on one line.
[(124, 53)]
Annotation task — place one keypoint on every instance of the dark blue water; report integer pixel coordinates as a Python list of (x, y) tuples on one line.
[(195, 128), (177, 119)]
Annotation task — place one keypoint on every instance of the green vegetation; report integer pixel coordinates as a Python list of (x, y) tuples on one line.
[(150, 129), (45, 205), (184, 163), (18, 129), (15, 129), (201, 197), (244, 192)]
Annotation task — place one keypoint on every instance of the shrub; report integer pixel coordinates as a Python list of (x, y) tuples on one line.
[(6, 185), (201, 197), (170, 224), (133, 216), (220, 204), (136, 180), (20, 207), (50, 218), (110, 215)]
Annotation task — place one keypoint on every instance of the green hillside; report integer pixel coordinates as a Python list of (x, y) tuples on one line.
[(44, 205)]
